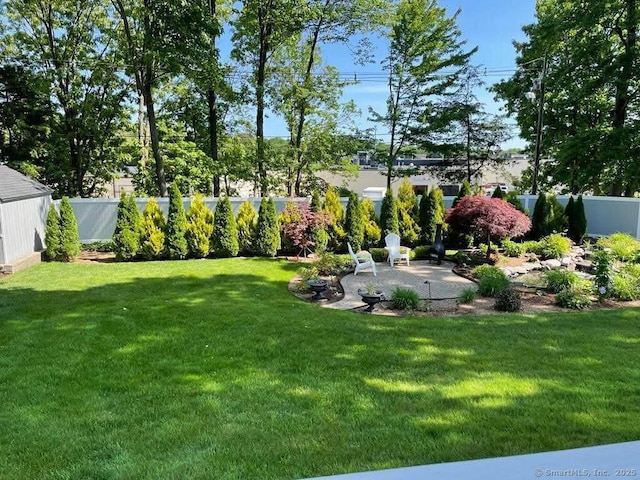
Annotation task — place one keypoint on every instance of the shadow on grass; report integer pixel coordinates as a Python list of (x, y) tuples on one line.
[(226, 375)]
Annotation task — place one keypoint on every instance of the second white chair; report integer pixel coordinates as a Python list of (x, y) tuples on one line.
[(396, 251)]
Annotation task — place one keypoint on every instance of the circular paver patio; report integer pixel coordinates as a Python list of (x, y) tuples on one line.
[(419, 276)]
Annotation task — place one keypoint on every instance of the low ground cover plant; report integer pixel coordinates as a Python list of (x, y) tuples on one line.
[(623, 246), (513, 249), (576, 296), (553, 246), (490, 280), (557, 280), (404, 299)]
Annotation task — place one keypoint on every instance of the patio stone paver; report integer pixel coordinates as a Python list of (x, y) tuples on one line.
[(443, 282)]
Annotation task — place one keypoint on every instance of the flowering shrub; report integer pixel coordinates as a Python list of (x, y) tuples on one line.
[(302, 221), (603, 272), (488, 217)]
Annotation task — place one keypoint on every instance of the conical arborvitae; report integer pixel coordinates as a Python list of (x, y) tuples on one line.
[(580, 220), (335, 212), (69, 237), (52, 235), (498, 193), (267, 230), (388, 214), (370, 221), (126, 237), (353, 225), (569, 213), (540, 217), (175, 239), (246, 222), (465, 190), (225, 230), (407, 214), (152, 228), (199, 227)]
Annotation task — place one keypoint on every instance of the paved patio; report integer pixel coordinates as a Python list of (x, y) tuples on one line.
[(428, 279)]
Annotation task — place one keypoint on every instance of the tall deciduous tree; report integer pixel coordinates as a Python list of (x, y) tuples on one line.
[(591, 98), (260, 28), (66, 41), (467, 136), (25, 119), (424, 46), (158, 38)]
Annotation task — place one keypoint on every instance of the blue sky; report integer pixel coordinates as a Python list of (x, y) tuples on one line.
[(492, 25)]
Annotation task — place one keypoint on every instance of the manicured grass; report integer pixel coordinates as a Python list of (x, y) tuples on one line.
[(211, 369)]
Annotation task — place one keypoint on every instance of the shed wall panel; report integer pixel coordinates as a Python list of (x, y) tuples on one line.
[(23, 227)]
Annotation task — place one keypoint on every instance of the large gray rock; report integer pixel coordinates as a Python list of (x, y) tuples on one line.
[(552, 264)]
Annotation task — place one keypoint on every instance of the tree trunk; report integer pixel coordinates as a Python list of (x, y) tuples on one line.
[(622, 95), (303, 104), (213, 114), (155, 139), (213, 137), (265, 33), (142, 132)]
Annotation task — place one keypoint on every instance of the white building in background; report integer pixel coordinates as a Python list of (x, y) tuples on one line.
[(373, 175)]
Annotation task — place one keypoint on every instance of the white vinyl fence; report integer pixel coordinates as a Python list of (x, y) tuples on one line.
[(605, 215)]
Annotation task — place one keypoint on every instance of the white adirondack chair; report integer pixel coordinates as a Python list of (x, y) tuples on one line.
[(396, 251), (363, 260)]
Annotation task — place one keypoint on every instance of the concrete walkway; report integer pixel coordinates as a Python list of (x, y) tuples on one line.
[(429, 280)]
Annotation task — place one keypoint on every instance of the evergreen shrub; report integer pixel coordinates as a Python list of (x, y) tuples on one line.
[(152, 231), (225, 230), (267, 241), (52, 234), (246, 223), (199, 227), (69, 236), (175, 238)]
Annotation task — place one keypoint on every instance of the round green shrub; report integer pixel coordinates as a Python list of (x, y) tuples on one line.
[(404, 299), (508, 300), (558, 280), (554, 246), (491, 280), (330, 264), (577, 296), (379, 254)]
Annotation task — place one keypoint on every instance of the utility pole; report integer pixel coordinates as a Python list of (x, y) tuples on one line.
[(540, 87)]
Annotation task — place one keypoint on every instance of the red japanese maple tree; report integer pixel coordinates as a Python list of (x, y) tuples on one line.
[(489, 217)]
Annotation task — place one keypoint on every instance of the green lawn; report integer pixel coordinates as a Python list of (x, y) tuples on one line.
[(211, 369)]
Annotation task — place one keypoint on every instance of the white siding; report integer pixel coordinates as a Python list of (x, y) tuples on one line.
[(22, 227)]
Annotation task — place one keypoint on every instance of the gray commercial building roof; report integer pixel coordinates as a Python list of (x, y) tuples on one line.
[(16, 186)]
